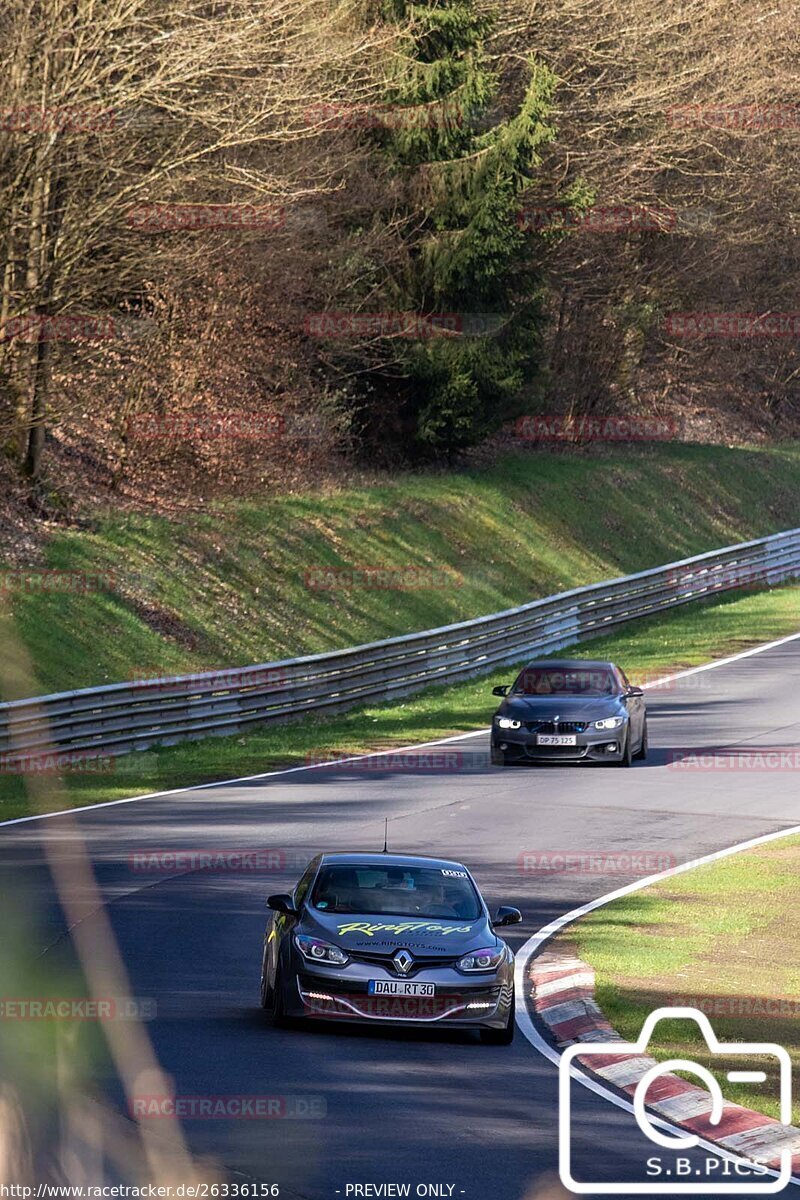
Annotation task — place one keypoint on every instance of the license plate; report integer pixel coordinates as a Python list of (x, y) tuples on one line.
[(556, 739), (400, 987)]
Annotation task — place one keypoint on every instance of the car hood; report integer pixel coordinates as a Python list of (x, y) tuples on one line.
[(383, 934), (566, 708)]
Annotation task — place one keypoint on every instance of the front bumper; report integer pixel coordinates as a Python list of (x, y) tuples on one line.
[(341, 993), (594, 745)]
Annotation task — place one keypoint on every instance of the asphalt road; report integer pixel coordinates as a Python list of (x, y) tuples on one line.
[(416, 1107)]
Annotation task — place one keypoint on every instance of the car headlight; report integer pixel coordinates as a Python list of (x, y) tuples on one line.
[(507, 723), (609, 723), (316, 951), (486, 959)]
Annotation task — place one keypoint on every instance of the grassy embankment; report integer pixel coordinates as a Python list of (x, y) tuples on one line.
[(722, 938), (230, 587)]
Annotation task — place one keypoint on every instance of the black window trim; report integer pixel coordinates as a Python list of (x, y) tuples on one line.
[(312, 870)]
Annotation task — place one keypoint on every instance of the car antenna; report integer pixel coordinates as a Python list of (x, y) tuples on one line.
[(386, 835)]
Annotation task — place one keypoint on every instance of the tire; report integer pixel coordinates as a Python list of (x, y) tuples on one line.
[(501, 1037), (266, 990), (266, 994), (641, 753), (627, 756), (498, 758), (279, 1017)]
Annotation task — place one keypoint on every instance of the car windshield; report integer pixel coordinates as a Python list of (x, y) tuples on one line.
[(397, 891), (558, 681)]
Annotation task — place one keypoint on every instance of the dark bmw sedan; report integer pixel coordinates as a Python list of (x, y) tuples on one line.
[(393, 939), (570, 710)]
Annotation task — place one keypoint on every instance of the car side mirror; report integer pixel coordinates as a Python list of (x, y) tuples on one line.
[(634, 691), (506, 916), (500, 690), (282, 904)]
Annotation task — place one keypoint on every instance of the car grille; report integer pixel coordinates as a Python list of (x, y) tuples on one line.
[(561, 727), (421, 961), (441, 1007)]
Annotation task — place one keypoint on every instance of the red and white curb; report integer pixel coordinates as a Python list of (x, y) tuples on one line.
[(563, 999)]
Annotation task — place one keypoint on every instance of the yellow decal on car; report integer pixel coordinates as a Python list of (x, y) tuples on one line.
[(404, 927)]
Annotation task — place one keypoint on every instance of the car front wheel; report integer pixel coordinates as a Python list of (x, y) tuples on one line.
[(627, 754), (642, 751), (278, 1005), (266, 994), (266, 990), (501, 1037)]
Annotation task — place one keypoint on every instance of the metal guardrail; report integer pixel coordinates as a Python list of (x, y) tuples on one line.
[(122, 717)]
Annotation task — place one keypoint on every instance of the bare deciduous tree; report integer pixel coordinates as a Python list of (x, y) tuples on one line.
[(106, 107)]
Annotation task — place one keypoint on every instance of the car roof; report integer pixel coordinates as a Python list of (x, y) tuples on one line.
[(570, 664), (378, 859)]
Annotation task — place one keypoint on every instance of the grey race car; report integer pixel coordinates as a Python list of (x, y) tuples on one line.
[(389, 938), (570, 709)]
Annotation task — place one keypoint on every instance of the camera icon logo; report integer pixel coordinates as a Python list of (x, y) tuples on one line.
[(673, 1143)]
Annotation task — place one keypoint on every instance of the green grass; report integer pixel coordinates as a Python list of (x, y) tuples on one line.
[(688, 636), (226, 587), (719, 938)]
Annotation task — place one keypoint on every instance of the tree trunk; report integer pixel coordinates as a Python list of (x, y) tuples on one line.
[(38, 404)]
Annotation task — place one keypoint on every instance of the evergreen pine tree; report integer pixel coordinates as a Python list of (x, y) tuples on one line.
[(463, 169)]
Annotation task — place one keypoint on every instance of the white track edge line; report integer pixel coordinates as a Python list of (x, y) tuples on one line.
[(526, 953), (198, 787)]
